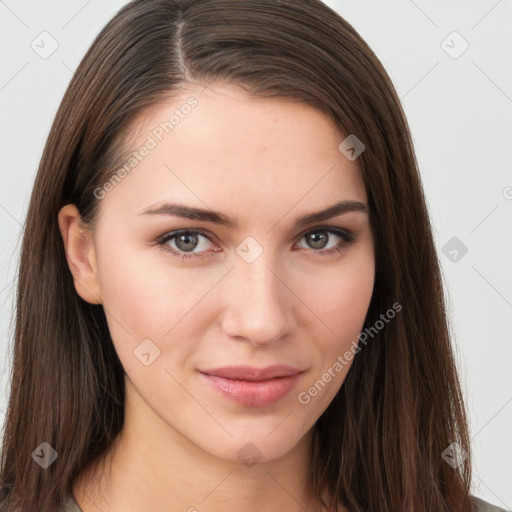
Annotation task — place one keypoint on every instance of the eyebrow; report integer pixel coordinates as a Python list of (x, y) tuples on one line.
[(188, 212)]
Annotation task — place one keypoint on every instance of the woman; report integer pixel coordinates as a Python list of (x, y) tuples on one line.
[(229, 295)]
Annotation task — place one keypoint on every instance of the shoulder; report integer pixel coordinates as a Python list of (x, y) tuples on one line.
[(72, 505), (484, 506)]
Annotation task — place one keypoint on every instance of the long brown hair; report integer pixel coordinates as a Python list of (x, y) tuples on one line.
[(380, 444)]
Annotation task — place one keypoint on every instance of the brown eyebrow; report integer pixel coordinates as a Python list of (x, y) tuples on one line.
[(188, 212)]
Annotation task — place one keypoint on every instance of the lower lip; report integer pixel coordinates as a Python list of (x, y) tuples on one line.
[(253, 394)]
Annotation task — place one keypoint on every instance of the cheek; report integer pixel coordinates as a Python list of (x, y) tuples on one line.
[(145, 298), (136, 287), (349, 302), (342, 310), (342, 303), (135, 297)]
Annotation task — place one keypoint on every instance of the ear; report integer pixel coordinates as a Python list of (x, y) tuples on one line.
[(80, 254)]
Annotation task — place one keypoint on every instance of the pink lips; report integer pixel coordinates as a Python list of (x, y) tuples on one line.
[(253, 387)]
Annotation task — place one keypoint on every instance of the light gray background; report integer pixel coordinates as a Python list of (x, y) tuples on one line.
[(459, 110)]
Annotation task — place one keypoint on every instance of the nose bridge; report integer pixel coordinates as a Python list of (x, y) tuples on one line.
[(258, 279), (258, 304)]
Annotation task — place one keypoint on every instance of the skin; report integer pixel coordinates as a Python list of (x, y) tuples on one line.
[(264, 162)]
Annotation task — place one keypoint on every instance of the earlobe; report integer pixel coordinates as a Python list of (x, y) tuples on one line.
[(80, 254)]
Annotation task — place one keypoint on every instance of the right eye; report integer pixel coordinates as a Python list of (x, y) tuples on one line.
[(185, 242)]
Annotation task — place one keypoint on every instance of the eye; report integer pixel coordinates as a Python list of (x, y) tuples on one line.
[(318, 239), (183, 243)]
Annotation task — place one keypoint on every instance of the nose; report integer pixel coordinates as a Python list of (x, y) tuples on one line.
[(259, 307)]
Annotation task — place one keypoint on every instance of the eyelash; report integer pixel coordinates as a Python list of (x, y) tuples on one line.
[(346, 236)]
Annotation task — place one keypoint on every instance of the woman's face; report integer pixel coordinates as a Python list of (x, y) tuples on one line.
[(251, 282)]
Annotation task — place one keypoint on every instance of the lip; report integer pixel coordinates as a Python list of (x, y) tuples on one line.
[(253, 387)]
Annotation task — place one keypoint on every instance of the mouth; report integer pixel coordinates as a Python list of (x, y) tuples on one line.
[(253, 387)]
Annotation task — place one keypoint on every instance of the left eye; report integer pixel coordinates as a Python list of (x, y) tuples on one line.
[(185, 241)]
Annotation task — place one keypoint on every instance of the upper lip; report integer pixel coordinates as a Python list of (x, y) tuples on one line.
[(252, 373)]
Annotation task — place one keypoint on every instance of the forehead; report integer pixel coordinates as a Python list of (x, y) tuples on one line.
[(220, 147)]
